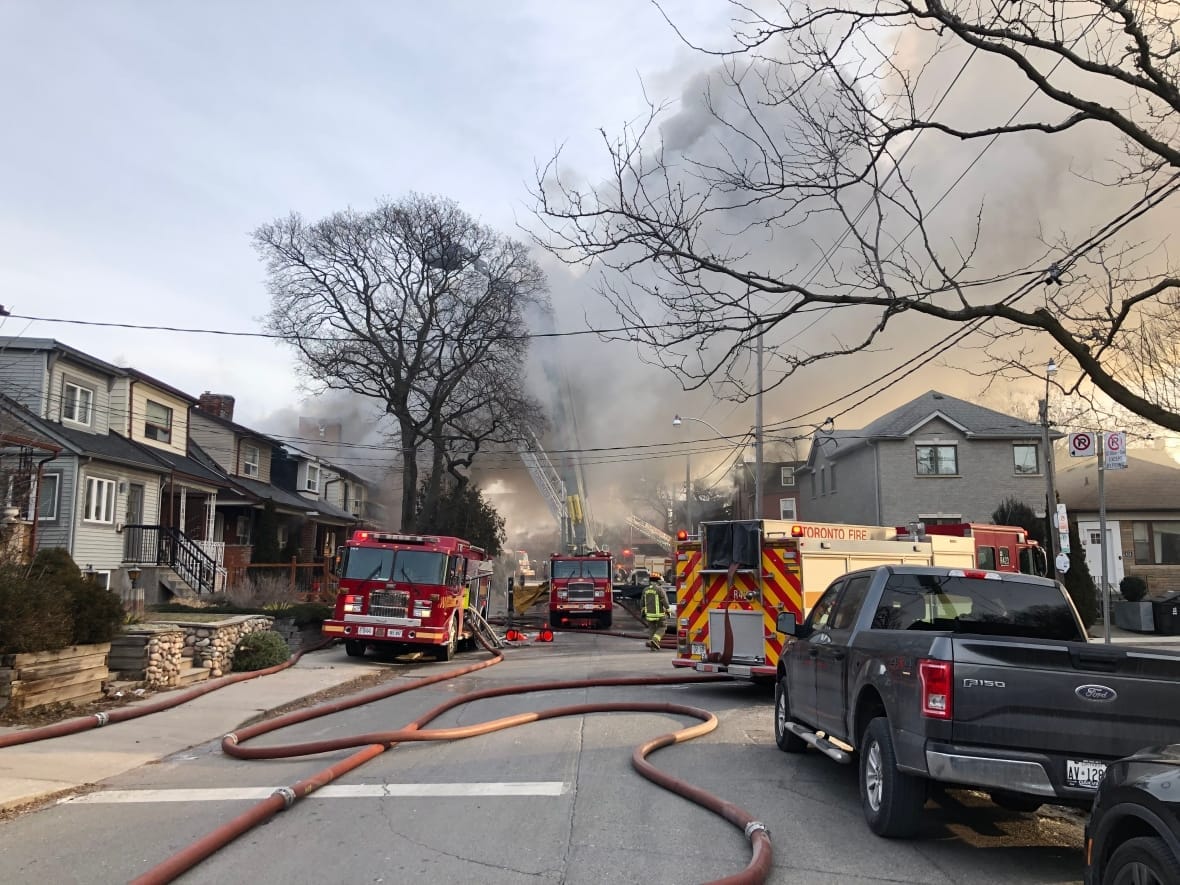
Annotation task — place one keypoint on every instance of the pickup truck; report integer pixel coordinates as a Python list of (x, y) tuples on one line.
[(928, 675)]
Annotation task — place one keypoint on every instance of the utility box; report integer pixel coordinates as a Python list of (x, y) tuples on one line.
[(1166, 613)]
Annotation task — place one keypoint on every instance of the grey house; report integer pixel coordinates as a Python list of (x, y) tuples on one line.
[(937, 459)]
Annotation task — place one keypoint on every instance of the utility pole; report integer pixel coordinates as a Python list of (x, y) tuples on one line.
[(758, 436), (1051, 493)]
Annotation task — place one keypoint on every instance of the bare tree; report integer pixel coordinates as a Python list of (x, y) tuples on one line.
[(420, 307), (831, 123)]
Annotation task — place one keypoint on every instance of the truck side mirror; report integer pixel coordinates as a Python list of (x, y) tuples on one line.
[(786, 623)]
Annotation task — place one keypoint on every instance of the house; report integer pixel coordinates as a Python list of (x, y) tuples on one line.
[(1142, 517), (780, 492), (310, 477), (936, 459), (99, 480)]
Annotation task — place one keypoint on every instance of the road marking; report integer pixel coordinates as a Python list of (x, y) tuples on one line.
[(337, 791)]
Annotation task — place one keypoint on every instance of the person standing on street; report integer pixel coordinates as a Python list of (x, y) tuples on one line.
[(655, 613)]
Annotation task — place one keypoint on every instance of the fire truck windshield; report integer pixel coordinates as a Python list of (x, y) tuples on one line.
[(411, 566), (581, 568)]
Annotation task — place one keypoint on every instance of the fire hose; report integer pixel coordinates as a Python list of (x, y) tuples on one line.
[(374, 744)]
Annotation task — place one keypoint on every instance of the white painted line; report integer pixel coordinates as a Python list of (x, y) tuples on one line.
[(332, 791)]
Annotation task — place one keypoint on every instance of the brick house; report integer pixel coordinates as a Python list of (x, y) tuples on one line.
[(937, 459), (780, 491)]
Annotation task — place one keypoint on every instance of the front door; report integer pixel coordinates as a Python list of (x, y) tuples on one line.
[(831, 664), (802, 663), (1092, 544), (134, 513)]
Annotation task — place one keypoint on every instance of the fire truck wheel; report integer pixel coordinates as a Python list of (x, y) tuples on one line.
[(892, 800), (354, 648), (554, 620), (787, 741), (447, 650), (604, 621)]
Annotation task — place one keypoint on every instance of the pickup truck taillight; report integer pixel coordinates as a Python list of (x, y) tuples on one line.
[(937, 678)]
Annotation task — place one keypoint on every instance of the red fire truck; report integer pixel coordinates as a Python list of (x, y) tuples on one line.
[(580, 589), (406, 591), (1000, 548)]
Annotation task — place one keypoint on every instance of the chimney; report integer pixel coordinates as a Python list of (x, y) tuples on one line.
[(219, 404)]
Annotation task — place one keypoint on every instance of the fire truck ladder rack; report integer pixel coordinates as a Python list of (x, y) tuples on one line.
[(483, 629), (548, 481), (646, 528)]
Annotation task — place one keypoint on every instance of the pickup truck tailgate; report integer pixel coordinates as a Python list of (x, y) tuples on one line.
[(1064, 697)]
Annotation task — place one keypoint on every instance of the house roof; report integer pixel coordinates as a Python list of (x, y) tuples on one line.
[(156, 382), (190, 467), (1150, 482), (974, 421), (110, 447), (46, 345), (292, 501)]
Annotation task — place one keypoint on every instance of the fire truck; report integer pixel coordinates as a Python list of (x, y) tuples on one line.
[(734, 578), (404, 592), (580, 589)]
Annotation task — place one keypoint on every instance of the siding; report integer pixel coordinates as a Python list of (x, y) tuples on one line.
[(855, 498), (99, 544), (56, 532), (217, 441), (23, 378), (140, 394), (101, 418)]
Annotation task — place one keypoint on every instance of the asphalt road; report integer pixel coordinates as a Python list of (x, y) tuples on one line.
[(555, 801)]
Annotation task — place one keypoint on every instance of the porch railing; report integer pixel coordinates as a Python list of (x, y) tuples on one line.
[(166, 545)]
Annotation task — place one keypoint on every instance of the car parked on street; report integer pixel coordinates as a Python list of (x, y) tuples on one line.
[(1133, 835)]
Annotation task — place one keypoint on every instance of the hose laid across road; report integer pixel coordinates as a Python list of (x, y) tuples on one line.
[(374, 744)]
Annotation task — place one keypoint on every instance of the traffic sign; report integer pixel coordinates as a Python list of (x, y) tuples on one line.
[(1081, 445), (1063, 542), (1116, 450), (1062, 563)]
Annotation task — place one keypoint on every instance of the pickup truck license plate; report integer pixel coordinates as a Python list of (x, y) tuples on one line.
[(698, 649), (1081, 773)]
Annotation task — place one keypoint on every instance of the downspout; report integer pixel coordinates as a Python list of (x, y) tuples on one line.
[(130, 406)]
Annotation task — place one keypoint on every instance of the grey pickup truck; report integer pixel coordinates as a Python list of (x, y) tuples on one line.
[(965, 677)]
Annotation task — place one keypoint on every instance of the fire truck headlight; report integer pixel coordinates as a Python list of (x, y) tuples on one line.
[(561, 594), (598, 594)]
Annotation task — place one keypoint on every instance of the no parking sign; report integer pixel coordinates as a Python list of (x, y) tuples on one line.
[(1116, 450), (1081, 445)]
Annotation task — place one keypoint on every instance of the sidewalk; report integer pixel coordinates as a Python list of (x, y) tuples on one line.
[(33, 772)]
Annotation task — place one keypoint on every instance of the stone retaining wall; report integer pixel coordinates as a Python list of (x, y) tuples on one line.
[(212, 644), (149, 653)]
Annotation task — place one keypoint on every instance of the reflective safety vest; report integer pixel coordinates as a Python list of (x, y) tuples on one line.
[(653, 605)]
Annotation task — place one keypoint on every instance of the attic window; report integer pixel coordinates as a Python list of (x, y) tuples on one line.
[(158, 422)]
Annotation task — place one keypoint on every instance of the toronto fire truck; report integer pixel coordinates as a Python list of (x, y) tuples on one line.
[(405, 592), (735, 577), (580, 589)]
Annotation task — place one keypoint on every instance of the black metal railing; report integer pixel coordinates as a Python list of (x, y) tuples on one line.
[(165, 545)]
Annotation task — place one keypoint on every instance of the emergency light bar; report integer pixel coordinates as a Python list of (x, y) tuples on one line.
[(389, 538)]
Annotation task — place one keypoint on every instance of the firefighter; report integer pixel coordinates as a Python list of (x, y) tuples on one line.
[(655, 613)]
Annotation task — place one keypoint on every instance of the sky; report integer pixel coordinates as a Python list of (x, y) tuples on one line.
[(144, 142)]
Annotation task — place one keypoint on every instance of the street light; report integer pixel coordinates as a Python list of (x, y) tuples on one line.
[(677, 420), (1051, 494)]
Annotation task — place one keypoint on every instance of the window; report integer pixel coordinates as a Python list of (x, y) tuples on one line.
[(242, 529), (77, 403), (787, 477), (312, 484), (1025, 459), (938, 460), (985, 558), (821, 613), (100, 500), (281, 535), (941, 518), (102, 579), (1095, 538), (47, 493), (158, 422), (249, 460), (786, 508), (1157, 543), (854, 594)]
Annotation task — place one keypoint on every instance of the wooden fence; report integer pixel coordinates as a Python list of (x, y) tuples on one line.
[(309, 581)]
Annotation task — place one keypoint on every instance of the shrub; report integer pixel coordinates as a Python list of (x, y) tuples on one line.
[(257, 651), (98, 613), (34, 616), (1133, 588), (310, 613)]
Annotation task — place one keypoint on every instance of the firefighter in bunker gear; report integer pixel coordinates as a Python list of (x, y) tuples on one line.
[(655, 613)]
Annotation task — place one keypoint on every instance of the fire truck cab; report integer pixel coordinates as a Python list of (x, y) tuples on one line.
[(580, 589), (400, 591)]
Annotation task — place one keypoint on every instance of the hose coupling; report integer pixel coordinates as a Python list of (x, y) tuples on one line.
[(101, 719), (288, 796), (231, 737), (755, 826)]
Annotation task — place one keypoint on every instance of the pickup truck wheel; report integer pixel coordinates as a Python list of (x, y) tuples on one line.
[(892, 800), (1144, 860), (787, 741)]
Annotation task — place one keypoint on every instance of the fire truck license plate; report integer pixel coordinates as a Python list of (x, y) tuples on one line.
[(1081, 773), (396, 634), (698, 649), (364, 631)]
